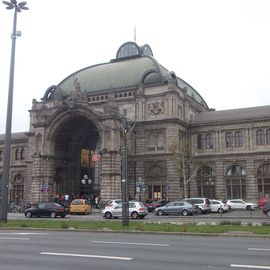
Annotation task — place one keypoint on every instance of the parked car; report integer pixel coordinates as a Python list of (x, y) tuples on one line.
[(151, 206), (176, 208), (218, 206), (238, 204), (80, 206), (266, 209), (47, 209), (262, 201), (202, 203), (136, 210), (114, 202)]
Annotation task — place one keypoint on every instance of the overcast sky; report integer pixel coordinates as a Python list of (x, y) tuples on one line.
[(221, 48)]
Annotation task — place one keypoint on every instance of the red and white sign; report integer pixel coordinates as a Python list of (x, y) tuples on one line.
[(96, 157)]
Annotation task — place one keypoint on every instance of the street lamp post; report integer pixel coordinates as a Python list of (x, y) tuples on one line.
[(18, 7), (123, 146)]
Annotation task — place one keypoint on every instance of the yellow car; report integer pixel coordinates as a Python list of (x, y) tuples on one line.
[(80, 206)]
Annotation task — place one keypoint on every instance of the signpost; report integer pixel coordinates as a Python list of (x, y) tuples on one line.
[(140, 186)]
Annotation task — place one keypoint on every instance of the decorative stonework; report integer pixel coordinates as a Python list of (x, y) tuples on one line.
[(156, 108)]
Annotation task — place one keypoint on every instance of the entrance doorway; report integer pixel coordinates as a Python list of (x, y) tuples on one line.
[(75, 142)]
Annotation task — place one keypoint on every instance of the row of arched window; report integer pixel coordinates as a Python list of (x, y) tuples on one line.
[(263, 137), (105, 97), (19, 154), (235, 182), (233, 139), (156, 141)]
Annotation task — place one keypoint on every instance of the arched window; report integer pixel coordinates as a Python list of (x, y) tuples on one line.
[(236, 182), (17, 190), (268, 136), (263, 179), (151, 142), (206, 182), (17, 154), (200, 141), (238, 138), (229, 139), (22, 154), (260, 137), (209, 140), (160, 141)]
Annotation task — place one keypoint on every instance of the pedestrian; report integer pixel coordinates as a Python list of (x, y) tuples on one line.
[(97, 198)]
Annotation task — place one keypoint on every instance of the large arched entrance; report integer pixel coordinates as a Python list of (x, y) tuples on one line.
[(75, 142)]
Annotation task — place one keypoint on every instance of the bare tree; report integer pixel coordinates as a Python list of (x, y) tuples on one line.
[(185, 162)]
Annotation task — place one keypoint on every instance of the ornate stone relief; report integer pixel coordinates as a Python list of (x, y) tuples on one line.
[(156, 108)]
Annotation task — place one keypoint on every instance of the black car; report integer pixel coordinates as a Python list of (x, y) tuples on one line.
[(47, 209), (266, 209)]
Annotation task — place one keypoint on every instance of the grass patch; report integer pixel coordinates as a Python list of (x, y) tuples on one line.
[(113, 225)]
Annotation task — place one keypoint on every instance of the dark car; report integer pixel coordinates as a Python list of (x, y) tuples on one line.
[(156, 203), (47, 209), (176, 208), (266, 209)]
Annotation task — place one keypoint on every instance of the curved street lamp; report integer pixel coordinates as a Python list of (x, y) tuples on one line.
[(18, 7)]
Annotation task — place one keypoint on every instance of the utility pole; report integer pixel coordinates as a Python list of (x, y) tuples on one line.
[(124, 184), (18, 7)]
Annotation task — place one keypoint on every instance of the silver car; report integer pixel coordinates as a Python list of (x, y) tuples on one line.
[(176, 208), (136, 210)]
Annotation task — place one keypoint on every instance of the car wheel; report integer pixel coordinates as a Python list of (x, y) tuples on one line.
[(160, 213), (220, 210), (53, 214), (134, 215), (108, 215), (28, 214), (185, 212), (268, 213), (199, 211), (248, 208)]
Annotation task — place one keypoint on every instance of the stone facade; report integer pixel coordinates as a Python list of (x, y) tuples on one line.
[(228, 157)]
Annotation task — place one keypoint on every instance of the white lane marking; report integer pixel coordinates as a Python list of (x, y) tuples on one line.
[(22, 233), (259, 249), (87, 256), (13, 238), (131, 243), (250, 266)]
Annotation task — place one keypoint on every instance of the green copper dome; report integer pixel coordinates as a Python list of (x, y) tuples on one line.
[(132, 67)]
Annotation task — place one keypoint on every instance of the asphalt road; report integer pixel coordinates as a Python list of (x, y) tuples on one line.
[(244, 216), (50, 250)]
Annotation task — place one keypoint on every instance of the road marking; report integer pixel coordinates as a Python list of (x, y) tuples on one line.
[(13, 238), (23, 233), (250, 266), (87, 256), (131, 243), (259, 249)]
